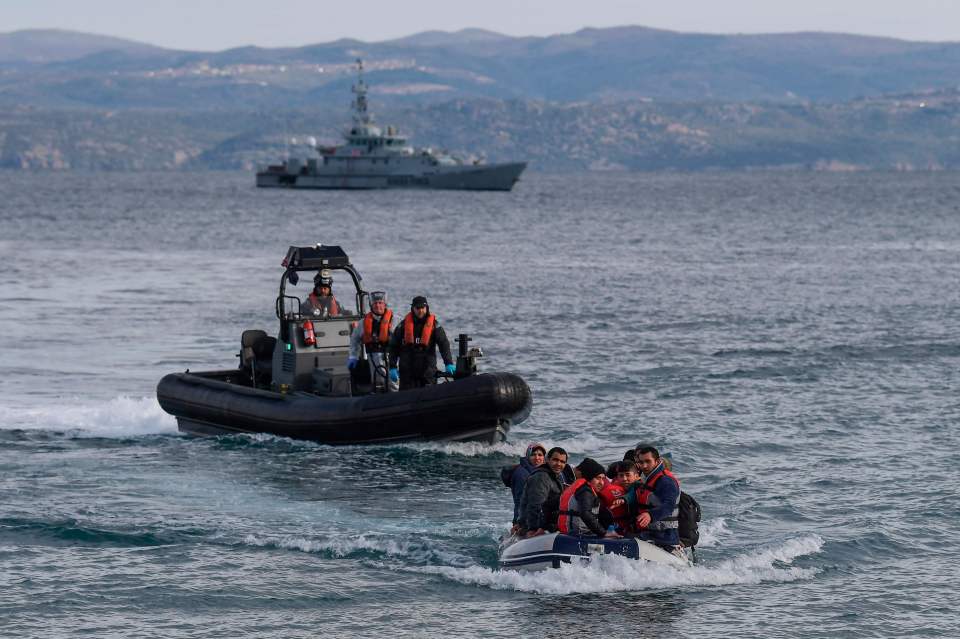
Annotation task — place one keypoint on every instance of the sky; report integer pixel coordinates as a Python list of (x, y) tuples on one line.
[(212, 25)]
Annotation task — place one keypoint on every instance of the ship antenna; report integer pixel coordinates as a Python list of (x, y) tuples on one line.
[(360, 114)]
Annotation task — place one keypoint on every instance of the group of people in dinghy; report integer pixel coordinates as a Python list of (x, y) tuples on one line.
[(637, 497)]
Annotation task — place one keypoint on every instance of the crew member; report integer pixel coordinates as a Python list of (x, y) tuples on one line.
[(373, 333), (414, 345), (655, 500), (321, 302), (541, 495), (579, 505)]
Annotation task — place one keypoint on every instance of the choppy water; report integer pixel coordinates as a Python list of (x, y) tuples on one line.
[(793, 340)]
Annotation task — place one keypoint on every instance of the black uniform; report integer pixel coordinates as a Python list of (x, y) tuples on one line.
[(418, 362)]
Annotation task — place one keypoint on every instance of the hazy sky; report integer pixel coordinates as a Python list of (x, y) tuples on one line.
[(214, 25)]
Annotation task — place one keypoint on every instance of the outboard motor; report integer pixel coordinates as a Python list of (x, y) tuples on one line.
[(466, 359)]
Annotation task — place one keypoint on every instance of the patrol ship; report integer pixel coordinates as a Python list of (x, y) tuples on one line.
[(376, 158)]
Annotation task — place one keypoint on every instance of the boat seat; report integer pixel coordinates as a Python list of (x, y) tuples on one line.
[(256, 355)]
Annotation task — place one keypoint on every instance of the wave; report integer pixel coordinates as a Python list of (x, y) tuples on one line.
[(70, 532), (118, 418), (611, 573), (362, 546)]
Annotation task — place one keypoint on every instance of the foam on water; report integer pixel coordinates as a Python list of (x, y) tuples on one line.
[(611, 573), (117, 418), (340, 546)]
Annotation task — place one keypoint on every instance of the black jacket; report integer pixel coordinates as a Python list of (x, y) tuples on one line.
[(541, 500), (418, 364)]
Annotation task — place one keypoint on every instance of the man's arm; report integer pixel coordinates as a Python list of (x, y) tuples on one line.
[(535, 493), (585, 498), (395, 341), (440, 337), (668, 492), (356, 338)]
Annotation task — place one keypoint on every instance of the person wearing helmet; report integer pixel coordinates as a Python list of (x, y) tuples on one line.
[(321, 302), (373, 335), (414, 346)]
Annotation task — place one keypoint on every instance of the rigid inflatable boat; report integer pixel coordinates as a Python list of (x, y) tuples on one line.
[(298, 385), (552, 549)]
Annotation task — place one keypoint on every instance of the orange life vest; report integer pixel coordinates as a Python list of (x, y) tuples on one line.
[(424, 339), (383, 335), (566, 515)]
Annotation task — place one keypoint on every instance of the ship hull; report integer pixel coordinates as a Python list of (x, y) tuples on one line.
[(487, 177)]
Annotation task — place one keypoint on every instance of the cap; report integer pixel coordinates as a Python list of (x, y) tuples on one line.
[(534, 446), (590, 468), (378, 296), (419, 302)]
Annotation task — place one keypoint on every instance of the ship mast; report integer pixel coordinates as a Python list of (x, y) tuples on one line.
[(360, 115)]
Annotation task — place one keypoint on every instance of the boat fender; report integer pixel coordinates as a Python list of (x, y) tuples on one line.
[(689, 515)]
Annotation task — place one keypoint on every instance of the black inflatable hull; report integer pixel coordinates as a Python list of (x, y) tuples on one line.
[(478, 408)]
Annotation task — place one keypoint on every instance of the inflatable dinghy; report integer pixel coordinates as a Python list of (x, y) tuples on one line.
[(553, 549), (298, 384)]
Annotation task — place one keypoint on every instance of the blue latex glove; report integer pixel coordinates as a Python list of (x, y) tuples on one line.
[(352, 363), (451, 369), (394, 375)]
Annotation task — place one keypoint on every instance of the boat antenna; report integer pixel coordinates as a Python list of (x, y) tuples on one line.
[(360, 114)]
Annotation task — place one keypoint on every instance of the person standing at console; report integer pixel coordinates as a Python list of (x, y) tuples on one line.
[(414, 346), (321, 302), (374, 334)]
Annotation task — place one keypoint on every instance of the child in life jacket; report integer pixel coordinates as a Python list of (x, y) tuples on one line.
[(612, 497)]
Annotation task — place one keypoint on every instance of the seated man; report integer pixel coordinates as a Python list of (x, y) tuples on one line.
[(374, 334), (321, 302), (655, 500), (579, 505), (414, 345), (615, 509), (541, 495)]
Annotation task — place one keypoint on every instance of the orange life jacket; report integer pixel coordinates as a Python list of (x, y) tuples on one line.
[(424, 339), (565, 521), (383, 335)]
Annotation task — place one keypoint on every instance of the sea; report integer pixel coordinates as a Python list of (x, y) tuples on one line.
[(791, 339)]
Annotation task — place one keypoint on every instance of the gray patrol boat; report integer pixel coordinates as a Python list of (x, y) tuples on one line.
[(374, 158)]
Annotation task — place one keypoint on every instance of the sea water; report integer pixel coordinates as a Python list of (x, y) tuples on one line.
[(792, 340)]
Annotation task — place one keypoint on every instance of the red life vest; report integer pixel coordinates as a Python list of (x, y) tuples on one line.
[(424, 339), (383, 335), (610, 493), (566, 515), (644, 501)]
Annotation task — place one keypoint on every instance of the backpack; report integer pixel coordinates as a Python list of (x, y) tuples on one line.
[(687, 520), (506, 475)]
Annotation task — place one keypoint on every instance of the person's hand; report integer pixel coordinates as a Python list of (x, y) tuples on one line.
[(643, 520), (612, 534), (515, 529), (394, 375), (352, 363), (619, 501), (451, 369), (535, 533)]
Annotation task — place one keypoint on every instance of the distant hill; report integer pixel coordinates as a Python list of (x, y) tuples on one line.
[(66, 70), (40, 46), (627, 98), (904, 132)]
